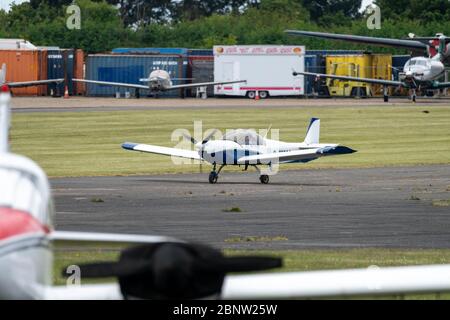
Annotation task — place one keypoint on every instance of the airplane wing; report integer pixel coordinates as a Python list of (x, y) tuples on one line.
[(368, 80), (295, 285), (32, 83), (110, 291), (338, 283), (297, 155), (106, 237), (175, 152), (204, 84), (442, 85), (113, 84), (385, 42)]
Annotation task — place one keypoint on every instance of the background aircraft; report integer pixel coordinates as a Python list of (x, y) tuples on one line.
[(247, 148), (158, 81), (24, 83), (418, 72)]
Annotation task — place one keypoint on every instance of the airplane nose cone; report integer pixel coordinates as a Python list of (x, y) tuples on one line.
[(409, 73), (198, 146)]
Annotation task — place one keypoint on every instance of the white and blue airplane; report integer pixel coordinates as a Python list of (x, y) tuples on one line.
[(246, 147)]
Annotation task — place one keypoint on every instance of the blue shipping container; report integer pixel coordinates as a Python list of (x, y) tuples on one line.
[(130, 69), (55, 70), (152, 51), (333, 52), (69, 68), (201, 52), (398, 62)]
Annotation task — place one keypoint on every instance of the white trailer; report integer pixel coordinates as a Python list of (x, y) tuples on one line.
[(267, 69)]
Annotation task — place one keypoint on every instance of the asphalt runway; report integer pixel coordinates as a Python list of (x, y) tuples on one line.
[(342, 208), (83, 104)]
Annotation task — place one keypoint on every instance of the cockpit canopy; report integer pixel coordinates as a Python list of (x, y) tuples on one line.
[(244, 137)]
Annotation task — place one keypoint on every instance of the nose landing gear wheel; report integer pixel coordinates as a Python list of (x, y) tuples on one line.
[(213, 177), (264, 179)]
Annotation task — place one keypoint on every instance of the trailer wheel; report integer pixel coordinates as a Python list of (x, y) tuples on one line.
[(263, 94), (251, 94)]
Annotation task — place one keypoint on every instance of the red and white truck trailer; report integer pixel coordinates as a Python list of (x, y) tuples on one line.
[(267, 69)]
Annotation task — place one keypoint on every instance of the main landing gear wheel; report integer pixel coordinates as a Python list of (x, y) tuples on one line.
[(264, 179), (213, 176)]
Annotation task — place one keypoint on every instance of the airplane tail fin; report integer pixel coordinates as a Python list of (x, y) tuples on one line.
[(3, 74), (313, 133)]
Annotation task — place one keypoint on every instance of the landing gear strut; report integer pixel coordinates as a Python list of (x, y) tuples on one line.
[(214, 176), (385, 94), (413, 95), (264, 178)]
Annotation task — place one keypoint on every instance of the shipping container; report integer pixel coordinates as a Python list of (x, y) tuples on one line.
[(201, 69), (381, 69), (326, 52), (69, 69), (398, 63), (267, 70), (79, 73), (361, 66), (55, 70), (152, 51), (130, 69), (201, 52), (23, 65)]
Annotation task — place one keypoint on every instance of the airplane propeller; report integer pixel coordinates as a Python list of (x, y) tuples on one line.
[(200, 145), (174, 270)]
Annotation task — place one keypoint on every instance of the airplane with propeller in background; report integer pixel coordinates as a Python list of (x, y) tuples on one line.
[(23, 84), (420, 72), (245, 147), (158, 81)]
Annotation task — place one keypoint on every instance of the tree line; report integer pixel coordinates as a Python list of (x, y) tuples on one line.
[(106, 24)]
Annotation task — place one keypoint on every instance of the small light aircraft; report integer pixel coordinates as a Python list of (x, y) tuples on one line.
[(158, 81), (24, 83), (418, 72), (247, 148), (148, 271)]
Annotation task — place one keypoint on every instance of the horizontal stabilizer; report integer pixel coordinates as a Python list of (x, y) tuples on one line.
[(335, 150)]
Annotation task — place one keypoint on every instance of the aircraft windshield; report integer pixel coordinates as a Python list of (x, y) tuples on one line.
[(418, 62), (244, 137)]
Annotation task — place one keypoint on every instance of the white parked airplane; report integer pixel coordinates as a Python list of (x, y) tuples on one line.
[(247, 148), (158, 81), (26, 256), (418, 72), (24, 83)]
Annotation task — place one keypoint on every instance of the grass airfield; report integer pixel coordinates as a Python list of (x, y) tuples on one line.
[(88, 144)]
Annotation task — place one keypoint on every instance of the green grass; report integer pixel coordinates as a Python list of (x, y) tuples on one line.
[(298, 260), (441, 203), (88, 143)]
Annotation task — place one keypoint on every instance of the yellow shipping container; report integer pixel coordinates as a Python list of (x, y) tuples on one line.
[(361, 66)]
